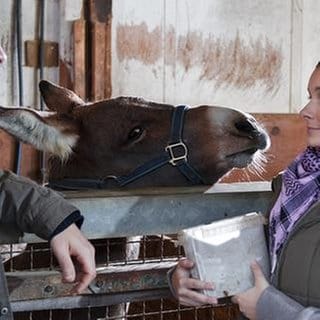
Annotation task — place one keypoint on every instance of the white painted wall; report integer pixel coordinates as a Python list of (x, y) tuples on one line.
[(5, 42), (58, 26), (9, 88), (182, 37), (277, 40)]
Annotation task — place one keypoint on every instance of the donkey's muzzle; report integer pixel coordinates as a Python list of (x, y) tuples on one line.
[(250, 128)]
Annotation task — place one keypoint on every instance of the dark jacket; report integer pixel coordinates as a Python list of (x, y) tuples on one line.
[(297, 274), (27, 207)]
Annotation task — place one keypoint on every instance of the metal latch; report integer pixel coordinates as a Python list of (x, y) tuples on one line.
[(5, 308), (175, 157)]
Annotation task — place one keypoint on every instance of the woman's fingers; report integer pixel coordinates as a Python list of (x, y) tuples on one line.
[(198, 284), (194, 298), (185, 263), (259, 278), (186, 291)]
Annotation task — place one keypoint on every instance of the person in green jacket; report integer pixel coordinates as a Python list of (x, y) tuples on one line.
[(27, 207), (293, 289)]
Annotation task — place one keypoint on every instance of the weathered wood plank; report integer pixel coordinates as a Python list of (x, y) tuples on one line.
[(108, 59), (30, 160), (79, 32), (7, 144), (98, 51), (100, 44)]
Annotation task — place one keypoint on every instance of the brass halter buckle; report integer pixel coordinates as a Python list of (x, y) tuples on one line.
[(170, 149)]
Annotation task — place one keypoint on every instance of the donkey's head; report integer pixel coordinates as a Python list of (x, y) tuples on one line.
[(114, 137)]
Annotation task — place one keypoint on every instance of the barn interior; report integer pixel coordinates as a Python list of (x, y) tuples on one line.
[(255, 56)]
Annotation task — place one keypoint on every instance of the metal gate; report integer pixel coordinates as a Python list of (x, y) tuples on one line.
[(35, 290)]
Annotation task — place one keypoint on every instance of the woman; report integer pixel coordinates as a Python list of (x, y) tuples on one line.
[(294, 234)]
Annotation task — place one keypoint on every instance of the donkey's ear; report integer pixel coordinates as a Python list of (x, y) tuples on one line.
[(44, 130), (57, 98)]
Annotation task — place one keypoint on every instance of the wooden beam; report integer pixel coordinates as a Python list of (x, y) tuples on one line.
[(108, 57), (98, 52), (100, 42), (79, 32), (30, 162)]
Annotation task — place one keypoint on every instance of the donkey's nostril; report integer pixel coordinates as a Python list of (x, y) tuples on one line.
[(245, 126)]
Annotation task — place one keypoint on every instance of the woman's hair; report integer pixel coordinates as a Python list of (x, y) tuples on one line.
[(318, 65)]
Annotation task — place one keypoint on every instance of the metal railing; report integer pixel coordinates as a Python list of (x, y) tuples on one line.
[(161, 211)]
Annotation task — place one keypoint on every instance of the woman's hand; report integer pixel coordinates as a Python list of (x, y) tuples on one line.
[(185, 287), (248, 300)]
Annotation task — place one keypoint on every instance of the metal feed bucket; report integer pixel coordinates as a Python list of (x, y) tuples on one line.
[(223, 250)]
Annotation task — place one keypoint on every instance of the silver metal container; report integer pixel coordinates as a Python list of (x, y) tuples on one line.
[(223, 250)]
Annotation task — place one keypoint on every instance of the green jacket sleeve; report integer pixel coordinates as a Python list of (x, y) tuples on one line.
[(273, 304), (30, 207)]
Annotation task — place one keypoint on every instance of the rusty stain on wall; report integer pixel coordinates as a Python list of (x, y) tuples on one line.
[(235, 62), (242, 64), (170, 46), (136, 42)]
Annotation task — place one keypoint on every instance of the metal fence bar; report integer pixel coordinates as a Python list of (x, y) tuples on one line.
[(5, 308), (32, 285), (159, 211), (85, 301)]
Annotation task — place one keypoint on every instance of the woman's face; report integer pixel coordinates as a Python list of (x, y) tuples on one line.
[(311, 112), (2, 56)]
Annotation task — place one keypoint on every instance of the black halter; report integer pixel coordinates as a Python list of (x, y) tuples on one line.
[(175, 154)]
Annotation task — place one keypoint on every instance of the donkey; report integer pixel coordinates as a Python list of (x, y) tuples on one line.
[(107, 140), (132, 142)]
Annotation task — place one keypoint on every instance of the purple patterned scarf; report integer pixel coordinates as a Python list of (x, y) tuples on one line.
[(300, 190)]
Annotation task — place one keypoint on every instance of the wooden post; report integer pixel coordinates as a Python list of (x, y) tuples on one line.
[(79, 32), (100, 27), (108, 61), (98, 50)]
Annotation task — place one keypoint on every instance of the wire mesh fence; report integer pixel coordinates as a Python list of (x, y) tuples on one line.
[(116, 252)]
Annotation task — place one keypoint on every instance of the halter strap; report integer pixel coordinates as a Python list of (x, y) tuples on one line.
[(175, 153)]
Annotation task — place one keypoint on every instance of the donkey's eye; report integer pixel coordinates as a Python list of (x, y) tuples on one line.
[(135, 133)]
